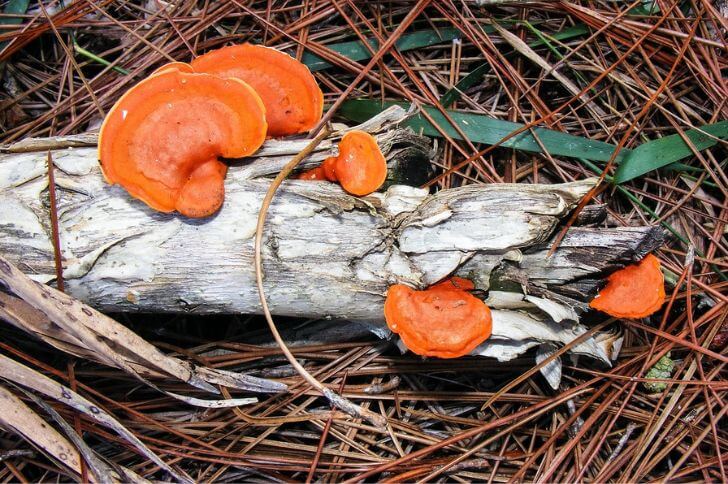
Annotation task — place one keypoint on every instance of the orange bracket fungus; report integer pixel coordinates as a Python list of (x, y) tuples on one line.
[(443, 321), (360, 167), (292, 98), (161, 141), (173, 66), (636, 291)]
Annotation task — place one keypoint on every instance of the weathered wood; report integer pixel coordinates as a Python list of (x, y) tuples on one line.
[(325, 252)]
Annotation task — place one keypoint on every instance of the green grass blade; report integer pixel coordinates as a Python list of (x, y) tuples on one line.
[(568, 33), (661, 152), (464, 84), (477, 74), (100, 60), (484, 129), (356, 51), (14, 7)]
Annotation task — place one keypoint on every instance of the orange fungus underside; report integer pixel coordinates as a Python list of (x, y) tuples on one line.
[(444, 320), (360, 167), (293, 101), (161, 141), (636, 291)]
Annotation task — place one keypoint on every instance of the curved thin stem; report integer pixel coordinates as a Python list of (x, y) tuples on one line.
[(334, 398)]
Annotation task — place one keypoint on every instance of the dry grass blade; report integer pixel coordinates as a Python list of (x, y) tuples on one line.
[(101, 472), (22, 375), (336, 400), (80, 326), (15, 415), (637, 73)]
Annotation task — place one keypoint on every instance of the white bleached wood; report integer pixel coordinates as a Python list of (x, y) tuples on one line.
[(325, 253)]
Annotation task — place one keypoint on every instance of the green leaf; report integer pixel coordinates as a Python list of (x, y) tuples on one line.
[(98, 59), (476, 74), (480, 128), (661, 152), (14, 7), (464, 84), (356, 51)]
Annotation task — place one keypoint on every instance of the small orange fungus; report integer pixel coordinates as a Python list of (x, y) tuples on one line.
[(444, 320), (360, 167), (636, 291)]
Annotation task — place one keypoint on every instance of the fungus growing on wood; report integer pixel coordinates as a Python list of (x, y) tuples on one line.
[(161, 141), (443, 321), (636, 291), (317, 174), (293, 101), (360, 167), (173, 66)]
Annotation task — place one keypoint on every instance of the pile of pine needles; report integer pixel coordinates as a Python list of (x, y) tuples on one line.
[(642, 79)]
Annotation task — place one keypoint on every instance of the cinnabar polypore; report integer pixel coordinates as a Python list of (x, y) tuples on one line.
[(636, 291), (161, 141), (360, 167), (444, 320), (292, 98), (173, 66)]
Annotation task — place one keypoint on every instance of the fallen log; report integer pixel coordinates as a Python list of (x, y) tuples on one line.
[(325, 252)]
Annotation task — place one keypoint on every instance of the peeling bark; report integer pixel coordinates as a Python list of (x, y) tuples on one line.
[(325, 253)]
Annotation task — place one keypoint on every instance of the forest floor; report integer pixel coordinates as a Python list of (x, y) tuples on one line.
[(620, 72)]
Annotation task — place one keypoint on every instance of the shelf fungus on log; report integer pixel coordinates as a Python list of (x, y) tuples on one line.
[(359, 167), (325, 252), (636, 291), (292, 98), (162, 139), (444, 320)]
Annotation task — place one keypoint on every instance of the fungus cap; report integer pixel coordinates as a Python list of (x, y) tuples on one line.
[(635, 291), (317, 174), (443, 321), (360, 167), (161, 141), (173, 66), (292, 98)]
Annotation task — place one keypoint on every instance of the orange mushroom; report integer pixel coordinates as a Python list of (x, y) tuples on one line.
[(360, 167), (636, 291), (173, 66), (443, 321), (293, 101), (161, 141)]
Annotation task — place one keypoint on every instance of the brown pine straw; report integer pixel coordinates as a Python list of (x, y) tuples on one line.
[(469, 419)]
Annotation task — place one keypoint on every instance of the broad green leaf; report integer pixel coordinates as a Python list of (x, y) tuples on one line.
[(480, 128), (661, 152), (356, 51)]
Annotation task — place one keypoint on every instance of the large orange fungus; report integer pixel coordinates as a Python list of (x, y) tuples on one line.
[(162, 140), (293, 100), (444, 320), (636, 291)]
